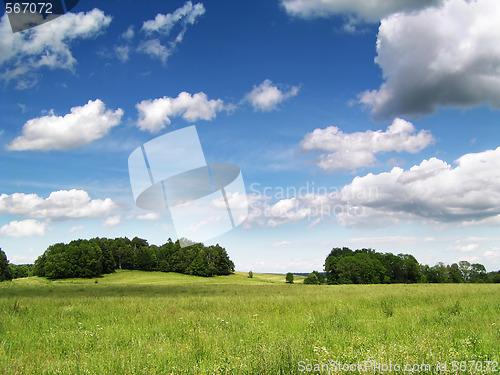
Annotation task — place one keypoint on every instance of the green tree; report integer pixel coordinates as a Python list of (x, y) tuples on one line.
[(18, 271), (90, 258), (464, 267), (478, 274), (289, 278), (331, 263), (311, 279), (438, 274), (5, 270), (250, 274), (320, 277), (495, 276), (455, 274)]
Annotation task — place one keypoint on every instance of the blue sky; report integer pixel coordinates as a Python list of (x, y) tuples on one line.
[(353, 125)]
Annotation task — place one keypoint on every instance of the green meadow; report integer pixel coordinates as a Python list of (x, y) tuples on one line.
[(134, 322)]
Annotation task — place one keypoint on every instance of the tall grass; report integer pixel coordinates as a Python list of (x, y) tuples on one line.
[(146, 323)]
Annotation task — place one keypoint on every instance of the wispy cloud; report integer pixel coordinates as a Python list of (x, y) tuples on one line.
[(24, 54), (159, 43)]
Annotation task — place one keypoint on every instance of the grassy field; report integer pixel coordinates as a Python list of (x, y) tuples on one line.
[(136, 322)]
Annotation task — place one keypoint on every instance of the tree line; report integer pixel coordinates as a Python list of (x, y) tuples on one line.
[(366, 266), (98, 256)]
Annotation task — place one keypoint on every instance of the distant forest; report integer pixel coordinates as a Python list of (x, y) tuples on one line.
[(366, 266), (98, 256)]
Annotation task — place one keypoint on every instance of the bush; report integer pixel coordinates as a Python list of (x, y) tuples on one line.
[(312, 279), (289, 278)]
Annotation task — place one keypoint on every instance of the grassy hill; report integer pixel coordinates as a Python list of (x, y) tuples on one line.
[(134, 322), (159, 278)]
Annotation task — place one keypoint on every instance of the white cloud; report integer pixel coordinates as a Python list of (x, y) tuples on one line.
[(24, 228), (155, 114), (150, 216), (311, 206), (62, 204), (112, 221), (431, 192), (122, 52), (370, 11), (155, 49), (164, 23), (353, 150), (492, 253), (23, 54), (80, 127), (129, 33), (267, 96), (467, 248), (439, 57), (76, 229), (124, 49), (283, 244), (160, 45)]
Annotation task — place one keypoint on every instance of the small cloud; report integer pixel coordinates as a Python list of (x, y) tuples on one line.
[(267, 96), (155, 114), (76, 229), (282, 244), (81, 126), (129, 34), (150, 216), (112, 221), (62, 204), (123, 53), (464, 248), (24, 228)]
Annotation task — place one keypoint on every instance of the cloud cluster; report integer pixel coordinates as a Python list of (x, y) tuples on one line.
[(23, 54), (369, 11), (347, 151), (432, 192), (59, 205), (439, 57), (159, 44), (267, 96), (24, 228), (155, 114), (80, 127)]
